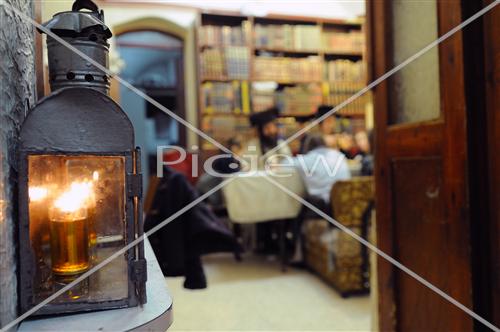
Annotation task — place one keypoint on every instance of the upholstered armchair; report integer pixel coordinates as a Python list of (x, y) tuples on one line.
[(337, 257)]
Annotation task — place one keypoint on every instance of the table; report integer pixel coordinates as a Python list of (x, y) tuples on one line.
[(250, 198), (155, 315)]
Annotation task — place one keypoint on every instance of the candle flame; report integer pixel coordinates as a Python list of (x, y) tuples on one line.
[(95, 176), (37, 194), (75, 198)]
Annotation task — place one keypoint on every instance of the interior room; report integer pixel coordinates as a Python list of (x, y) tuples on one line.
[(249, 165)]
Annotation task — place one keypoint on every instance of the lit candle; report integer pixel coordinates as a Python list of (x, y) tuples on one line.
[(69, 231)]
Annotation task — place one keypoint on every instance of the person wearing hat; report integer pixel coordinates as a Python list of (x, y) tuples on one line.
[(329, 124), (267, 137)]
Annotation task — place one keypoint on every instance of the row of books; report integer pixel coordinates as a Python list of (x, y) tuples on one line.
[(233, 97), (341, 92), (283, 69), (231, 62), (291, 100), (263, 99), (225, 97), (212, 35), (345, 70), (337, 41), (299, 100), (222, 128), (288, 37), (304, 99)]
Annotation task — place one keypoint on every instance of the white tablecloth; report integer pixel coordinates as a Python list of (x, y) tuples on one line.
[(250, 198)]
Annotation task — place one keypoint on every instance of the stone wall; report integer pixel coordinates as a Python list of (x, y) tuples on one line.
[(17, 92)]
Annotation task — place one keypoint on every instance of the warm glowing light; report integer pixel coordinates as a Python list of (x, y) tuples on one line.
[(75, 198), (95, 176), (37, 193)]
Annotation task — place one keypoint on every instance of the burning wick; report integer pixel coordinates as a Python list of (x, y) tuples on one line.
[(75, 197)]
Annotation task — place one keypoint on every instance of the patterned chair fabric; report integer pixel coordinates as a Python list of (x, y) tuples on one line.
[(337, 257)]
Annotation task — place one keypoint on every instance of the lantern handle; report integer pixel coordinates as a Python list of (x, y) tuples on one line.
[(84, 4)]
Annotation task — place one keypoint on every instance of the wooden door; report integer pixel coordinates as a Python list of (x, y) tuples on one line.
[(421, 164)]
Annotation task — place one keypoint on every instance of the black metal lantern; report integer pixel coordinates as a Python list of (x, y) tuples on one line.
[(79, 181)]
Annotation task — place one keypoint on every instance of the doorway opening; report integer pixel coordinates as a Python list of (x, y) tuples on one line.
[(153, 62)]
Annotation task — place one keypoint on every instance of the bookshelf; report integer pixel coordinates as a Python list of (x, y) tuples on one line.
[(247, 64)]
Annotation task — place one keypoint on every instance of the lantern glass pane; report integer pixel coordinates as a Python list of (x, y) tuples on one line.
[(76, 220)]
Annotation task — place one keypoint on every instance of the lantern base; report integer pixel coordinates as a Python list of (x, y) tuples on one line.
[(155, 315)]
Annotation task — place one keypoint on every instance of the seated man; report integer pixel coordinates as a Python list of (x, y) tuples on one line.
[(328, 127), (320, 168), (267, 140)]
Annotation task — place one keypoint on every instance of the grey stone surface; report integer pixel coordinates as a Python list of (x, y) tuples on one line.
[(17, 92)]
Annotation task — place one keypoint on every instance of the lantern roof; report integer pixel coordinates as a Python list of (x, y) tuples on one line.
[(76, 22), (78, 120)]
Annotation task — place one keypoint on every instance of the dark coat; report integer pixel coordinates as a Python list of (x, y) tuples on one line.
[(197, 231)]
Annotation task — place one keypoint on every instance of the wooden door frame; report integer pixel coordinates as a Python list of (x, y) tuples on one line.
[(39, 66), (172, 30), (482, 64), (425, 138), (492, 102)]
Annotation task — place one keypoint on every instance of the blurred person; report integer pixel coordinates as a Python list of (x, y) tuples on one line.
[(364, 142), (320, 168), (267, 137), (347, 145), (180, 244), (328, 127)]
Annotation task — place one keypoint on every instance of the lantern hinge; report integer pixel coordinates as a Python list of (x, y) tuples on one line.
[(139, 271), (134, 188)]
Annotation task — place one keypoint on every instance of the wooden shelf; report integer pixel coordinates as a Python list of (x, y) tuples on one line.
[(284, 82), (219, 46), (353, 115), (222, 114), (343, 53), (309, 52), (222, 79), (289, 115), (287, 51)]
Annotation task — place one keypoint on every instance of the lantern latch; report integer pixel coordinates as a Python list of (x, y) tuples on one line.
[(134, 188)]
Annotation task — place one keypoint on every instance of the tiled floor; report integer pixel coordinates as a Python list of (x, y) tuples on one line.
[(256, 295)]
